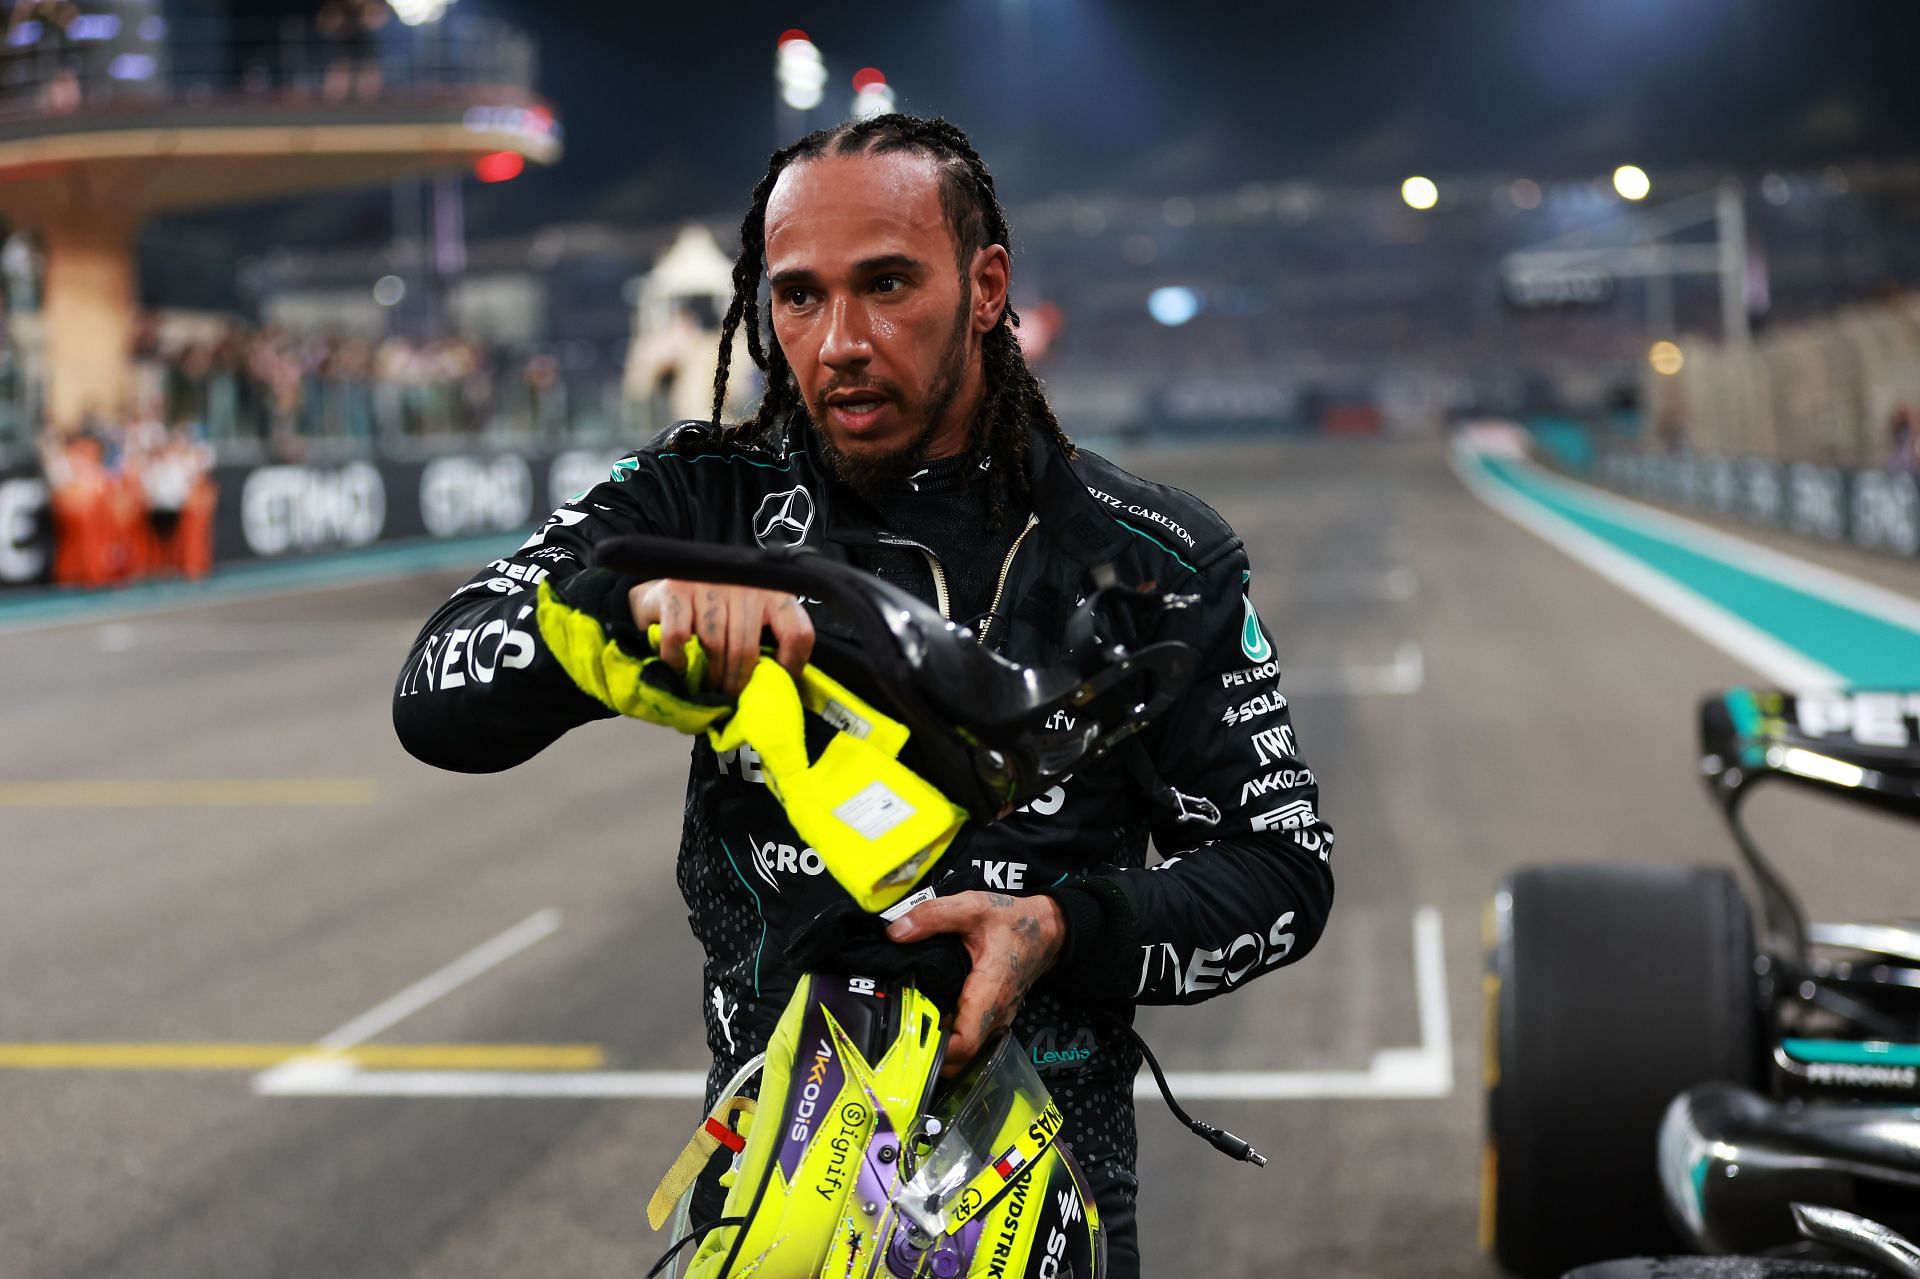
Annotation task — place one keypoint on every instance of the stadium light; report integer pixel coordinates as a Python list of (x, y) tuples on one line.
[(1632, 182), (499, 166), (1666, 358), (872, 95), (1419, 193), (418, 13), (801, 70), (1173, 306)]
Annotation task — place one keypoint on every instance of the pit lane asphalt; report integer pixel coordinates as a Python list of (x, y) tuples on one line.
[(1553, 721)]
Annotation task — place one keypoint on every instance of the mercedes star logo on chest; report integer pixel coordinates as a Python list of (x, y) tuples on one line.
[(784, 518)]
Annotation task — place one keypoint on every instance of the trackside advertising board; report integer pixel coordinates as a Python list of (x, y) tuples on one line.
[(280, 510), (26, 527), (1875, 509)]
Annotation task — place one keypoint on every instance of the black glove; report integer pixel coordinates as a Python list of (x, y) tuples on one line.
[(845, 939), (1097, 961), (601, 594)]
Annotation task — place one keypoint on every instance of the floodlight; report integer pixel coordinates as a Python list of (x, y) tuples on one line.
[(1419, 193), (1632, 182), (801, 97), (1173, 305), (801, 70)]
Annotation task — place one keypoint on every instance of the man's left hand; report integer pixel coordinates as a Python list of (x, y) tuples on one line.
[(1011, 940)]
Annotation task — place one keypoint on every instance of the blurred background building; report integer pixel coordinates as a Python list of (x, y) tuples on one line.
[(308, 233)]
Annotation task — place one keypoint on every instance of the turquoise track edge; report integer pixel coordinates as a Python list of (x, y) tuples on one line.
[(1863, 647)]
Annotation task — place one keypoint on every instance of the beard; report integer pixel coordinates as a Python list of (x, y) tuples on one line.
[(877, 470)]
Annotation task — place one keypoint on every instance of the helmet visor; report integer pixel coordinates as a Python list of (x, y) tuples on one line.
[(994, 1121)]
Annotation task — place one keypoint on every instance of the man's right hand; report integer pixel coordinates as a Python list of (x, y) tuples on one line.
[(728, 621)]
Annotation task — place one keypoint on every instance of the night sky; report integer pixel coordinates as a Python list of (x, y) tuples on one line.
[(669, 111)]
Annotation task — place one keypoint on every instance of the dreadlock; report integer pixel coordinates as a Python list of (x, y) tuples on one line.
[(1011, 396)]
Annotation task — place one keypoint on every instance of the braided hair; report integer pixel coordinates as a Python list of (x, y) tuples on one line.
[(1011, 397)]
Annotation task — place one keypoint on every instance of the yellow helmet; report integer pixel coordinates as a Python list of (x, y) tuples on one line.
[(858, 1160)]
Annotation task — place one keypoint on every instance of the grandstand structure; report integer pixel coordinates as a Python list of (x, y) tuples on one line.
[(1841, 389), (1313, 306), (125, 117)]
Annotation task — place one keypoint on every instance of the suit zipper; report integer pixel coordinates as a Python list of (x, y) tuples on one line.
[(1006, 567), (939, 574)]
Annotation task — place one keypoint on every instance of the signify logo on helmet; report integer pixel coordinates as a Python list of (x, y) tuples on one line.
[(833, 1180)]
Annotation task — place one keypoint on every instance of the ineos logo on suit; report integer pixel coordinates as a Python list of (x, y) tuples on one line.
[(784, 518)]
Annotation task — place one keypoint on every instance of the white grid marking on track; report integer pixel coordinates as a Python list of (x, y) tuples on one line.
[(1421, 1072), (1393, 1074), (324, 1064)]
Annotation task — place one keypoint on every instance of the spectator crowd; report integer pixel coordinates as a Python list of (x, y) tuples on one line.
[(40, 55), (129, 500), (270, 391), (281, 389), (44, 68), (133, 493), (1903, 439)]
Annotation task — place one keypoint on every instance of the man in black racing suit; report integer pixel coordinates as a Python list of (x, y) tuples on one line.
[(989, 514)]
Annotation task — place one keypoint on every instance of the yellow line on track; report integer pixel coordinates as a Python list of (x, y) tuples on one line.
[(188, 793), (137, 1056)]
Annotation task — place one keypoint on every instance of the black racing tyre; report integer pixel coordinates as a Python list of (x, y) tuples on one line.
[(1609, 990), (1718, 1268)]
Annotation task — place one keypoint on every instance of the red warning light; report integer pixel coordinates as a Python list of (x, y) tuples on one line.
[(867, 78), (791, 34), (499, 166)]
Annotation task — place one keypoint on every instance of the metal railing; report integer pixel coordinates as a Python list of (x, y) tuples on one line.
[(129, 58)]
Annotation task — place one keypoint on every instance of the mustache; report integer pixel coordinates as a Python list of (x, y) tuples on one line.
[(876, 386)]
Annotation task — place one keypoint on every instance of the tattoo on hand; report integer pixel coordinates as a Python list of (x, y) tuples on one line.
[(991, 1018)]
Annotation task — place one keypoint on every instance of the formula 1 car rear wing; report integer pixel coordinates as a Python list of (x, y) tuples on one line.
[(1860, 744)]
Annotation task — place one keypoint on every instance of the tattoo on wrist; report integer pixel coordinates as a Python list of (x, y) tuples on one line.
[(990, 1019)]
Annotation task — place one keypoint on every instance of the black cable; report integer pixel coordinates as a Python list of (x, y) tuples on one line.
[(689, 1237), (1219, 1138)]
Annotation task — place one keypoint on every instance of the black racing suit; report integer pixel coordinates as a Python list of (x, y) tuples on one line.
[(1243, 883)]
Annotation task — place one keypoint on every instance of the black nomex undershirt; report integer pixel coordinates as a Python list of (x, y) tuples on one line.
[(945, 507)]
